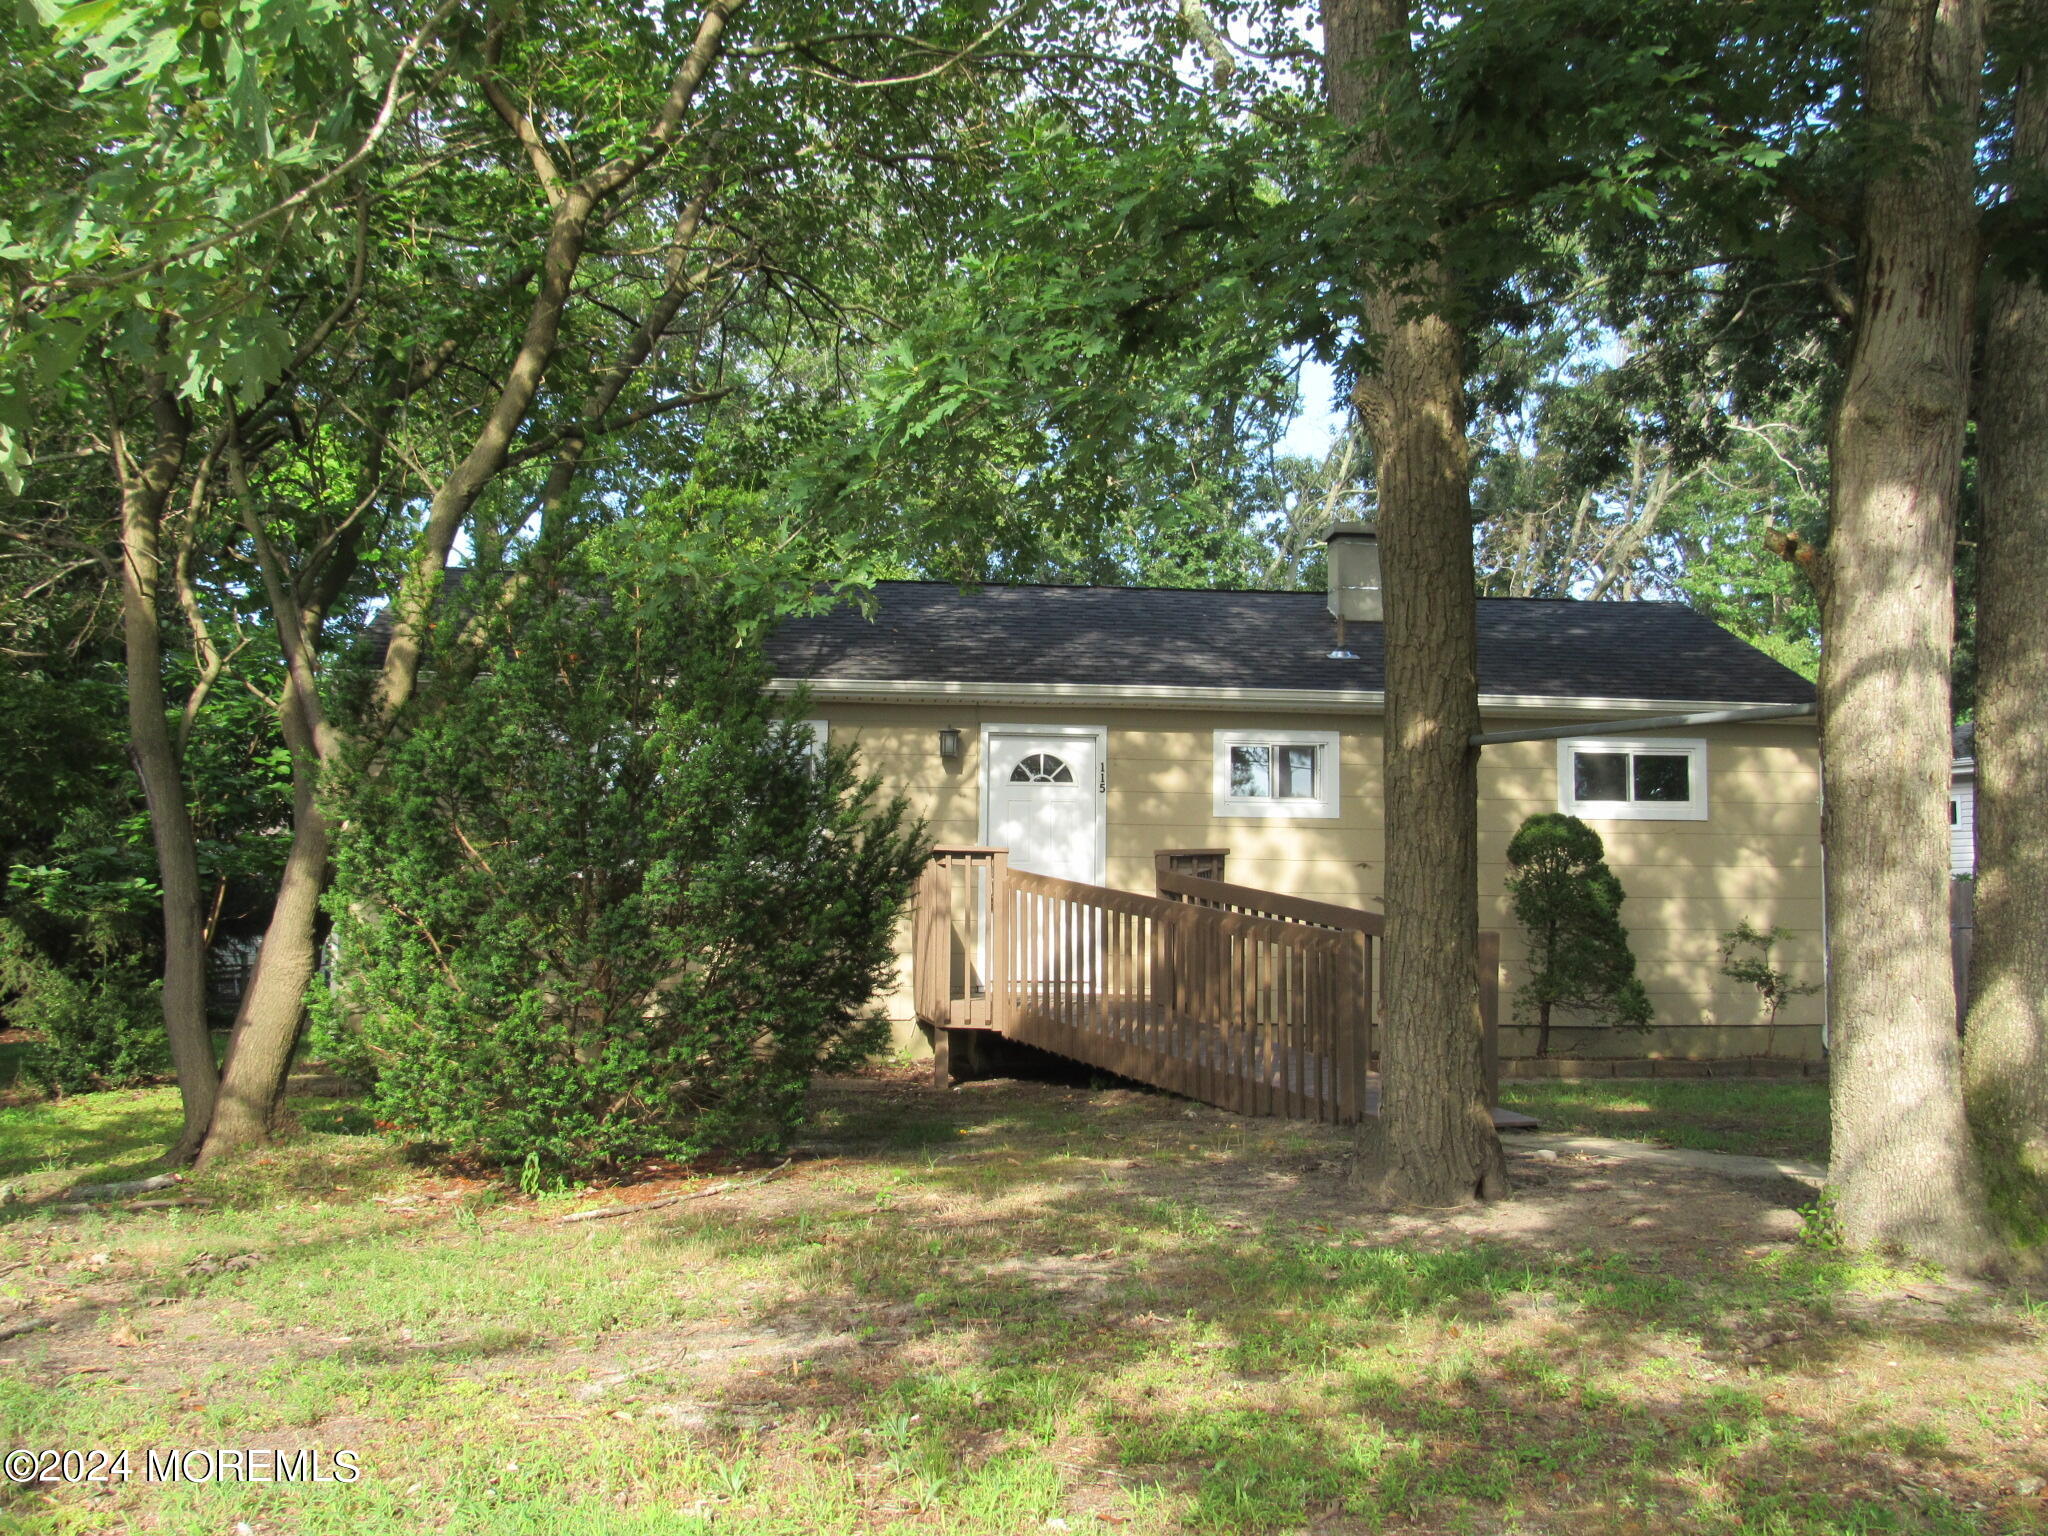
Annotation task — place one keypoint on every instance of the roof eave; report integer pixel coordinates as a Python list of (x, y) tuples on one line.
[(1156, 696)]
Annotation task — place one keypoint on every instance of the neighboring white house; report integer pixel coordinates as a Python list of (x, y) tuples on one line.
[(1962, 803)]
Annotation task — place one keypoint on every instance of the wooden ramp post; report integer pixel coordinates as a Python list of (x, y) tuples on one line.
[(960, 949)]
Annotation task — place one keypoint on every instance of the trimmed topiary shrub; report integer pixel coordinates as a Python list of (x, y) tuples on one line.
[(603, 900), (1562, 891)]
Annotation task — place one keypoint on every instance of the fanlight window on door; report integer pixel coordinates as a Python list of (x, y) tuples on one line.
[(1042, 768)]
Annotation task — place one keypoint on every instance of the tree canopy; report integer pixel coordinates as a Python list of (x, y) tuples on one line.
[(305, 301)]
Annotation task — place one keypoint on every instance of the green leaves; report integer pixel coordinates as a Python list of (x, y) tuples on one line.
[(1094, 389), (150, 140)]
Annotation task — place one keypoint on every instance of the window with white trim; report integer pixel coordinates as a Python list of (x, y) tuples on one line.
[(1276, 773), (1641, 779), (820, 733)]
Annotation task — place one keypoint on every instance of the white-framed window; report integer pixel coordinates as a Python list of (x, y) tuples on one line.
[(820, 734), (1276, 773), (1616, 778)]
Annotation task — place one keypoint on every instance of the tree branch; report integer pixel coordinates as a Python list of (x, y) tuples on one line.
[(567, 234), (545, 170)]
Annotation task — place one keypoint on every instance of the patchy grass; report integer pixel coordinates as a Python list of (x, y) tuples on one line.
[(46, 1145), (1761, 1116), (1011, 1308)]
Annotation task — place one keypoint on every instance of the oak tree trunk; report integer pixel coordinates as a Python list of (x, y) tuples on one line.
[(1436, 1143), (145, 486), (1902, 1170), (2005, 1046)]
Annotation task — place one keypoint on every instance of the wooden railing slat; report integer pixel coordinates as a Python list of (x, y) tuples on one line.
[(1295, 1055), (1260, 1038), (1361, 1010), (1251, 901)]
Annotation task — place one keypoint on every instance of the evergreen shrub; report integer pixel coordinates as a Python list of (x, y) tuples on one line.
[(96, 1025), (601, 901), (1564, 894)]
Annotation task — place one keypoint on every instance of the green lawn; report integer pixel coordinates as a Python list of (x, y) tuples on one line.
[(1761, 1116), (1014, 1308)]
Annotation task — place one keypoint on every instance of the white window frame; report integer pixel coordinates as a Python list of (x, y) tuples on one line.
[(821, 735), (1693, 809), (1326, 802)]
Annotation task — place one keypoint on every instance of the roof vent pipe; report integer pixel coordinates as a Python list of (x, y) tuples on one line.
[(1354, 559)]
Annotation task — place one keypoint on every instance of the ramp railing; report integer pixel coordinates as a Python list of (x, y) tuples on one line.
[(1258, 1012)]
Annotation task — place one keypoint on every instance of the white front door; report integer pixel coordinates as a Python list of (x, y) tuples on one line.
[(1044, 793)]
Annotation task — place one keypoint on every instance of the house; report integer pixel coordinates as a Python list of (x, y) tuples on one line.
[(1086, 729), (1962, 803)]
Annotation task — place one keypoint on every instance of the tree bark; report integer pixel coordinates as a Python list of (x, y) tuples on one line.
[(1902, 1172), (272, 1010), (2005, 1046), (145, 487), (1435, 1142), (268, 1021)]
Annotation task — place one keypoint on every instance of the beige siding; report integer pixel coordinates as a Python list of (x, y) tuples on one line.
[(1757, 856)]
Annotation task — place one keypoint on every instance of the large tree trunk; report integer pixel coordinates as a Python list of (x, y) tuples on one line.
[(1902, 1171), (145, 486), (1436, 1143), (267, 1023), (2005, 1048)]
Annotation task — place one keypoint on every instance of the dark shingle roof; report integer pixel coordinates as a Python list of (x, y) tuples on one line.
[(1173, 638)]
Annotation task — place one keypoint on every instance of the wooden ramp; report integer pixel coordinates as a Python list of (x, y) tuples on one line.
[(1253, 1001)]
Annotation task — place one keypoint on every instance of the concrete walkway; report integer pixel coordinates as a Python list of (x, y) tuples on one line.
[(1730, 1165)]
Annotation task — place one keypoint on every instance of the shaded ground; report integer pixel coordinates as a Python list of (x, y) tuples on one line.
[(1763, 1117), (1015, 1307), (14, 1048), (1736, 1166)]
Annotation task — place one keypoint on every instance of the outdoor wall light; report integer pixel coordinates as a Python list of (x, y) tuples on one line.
[(949, 744)]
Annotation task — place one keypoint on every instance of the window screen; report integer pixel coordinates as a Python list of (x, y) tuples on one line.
[(1275, 772), (1651, 779)]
